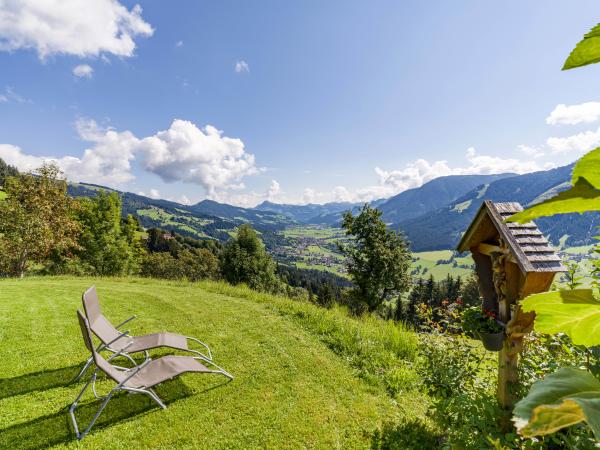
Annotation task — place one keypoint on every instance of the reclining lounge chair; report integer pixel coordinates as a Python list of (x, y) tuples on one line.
[(114, 340), (140, 379)]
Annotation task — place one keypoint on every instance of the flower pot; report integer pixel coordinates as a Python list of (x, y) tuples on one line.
[(492, 341)]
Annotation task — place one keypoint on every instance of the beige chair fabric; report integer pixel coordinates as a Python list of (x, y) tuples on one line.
[(106, 332), (138, 379)]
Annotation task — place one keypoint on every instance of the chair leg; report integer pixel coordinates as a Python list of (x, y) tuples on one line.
[(104, 403), (154, 396), (79, 435), (85, 367)]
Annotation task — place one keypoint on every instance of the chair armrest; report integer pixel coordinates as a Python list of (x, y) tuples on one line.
[(125, 321), (103, 346)]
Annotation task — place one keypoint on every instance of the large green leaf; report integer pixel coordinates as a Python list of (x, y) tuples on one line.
[(575, 312), (588, 167), (563, 398), (587, 51), (581, 198)]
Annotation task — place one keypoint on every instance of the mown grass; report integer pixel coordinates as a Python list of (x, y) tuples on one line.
[(305, 377)]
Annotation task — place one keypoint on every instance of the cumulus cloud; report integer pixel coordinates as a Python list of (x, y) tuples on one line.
[(242, 67), (154, 194), (83, 71), (419, 172), (76, 27), (274, 190), (531, 151), (106, 161), (182, 153), (201, 156), (571, 115), (579, 143)]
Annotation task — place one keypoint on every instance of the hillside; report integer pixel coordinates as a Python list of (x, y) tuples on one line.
[(441, 229), (311, 213), (433, 195), (305, 377), (206, 219)]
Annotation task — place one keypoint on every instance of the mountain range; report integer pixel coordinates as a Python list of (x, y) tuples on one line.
[(432, 216)]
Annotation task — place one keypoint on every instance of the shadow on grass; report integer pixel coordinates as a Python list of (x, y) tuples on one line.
[(409, 435), (38, 381), (56, 428)]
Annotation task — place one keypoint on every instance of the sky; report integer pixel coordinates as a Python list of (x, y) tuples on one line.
[(292, 102)]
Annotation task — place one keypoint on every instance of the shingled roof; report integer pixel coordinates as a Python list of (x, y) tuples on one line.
[(530, 249)]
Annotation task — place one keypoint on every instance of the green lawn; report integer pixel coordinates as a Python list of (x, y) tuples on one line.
[(305, 377), (429, 261)]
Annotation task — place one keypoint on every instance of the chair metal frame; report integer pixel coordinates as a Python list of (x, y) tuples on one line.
[(121, 386)]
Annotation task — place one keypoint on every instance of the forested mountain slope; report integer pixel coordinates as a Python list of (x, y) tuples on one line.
[(442, 228)]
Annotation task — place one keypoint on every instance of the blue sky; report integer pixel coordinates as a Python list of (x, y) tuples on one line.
[(293, 101)]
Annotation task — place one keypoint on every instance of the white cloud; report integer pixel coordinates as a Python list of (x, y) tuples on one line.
[(204, 157), (309, 195), (10, 95), (83, 71), (179, 44), (184, 200), (577, 143), (82, 28), (419, 172), (182, 153), (242, 66), (154, 194), (274, 190), (531, 151), (571, 115), (107, 161)]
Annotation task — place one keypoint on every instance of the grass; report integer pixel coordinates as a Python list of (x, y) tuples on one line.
[(306, 377), (429, 261), (2, 194)]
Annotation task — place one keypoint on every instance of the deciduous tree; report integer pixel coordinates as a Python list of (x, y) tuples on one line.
[(377, 259)]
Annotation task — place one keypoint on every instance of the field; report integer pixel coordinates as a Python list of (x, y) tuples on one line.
[(184, 222), (305, 377)]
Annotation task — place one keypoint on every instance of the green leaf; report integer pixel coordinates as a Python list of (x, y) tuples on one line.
[(575, 312), (563, 398), (582, 197), (588, 167), (587, 51)]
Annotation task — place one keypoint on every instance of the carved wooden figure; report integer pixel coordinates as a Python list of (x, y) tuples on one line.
[(512, 261)]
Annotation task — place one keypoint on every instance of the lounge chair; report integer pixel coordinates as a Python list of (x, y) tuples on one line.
[(139, 379), (114, 340)]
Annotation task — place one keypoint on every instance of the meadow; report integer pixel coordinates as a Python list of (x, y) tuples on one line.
[(303, 375)]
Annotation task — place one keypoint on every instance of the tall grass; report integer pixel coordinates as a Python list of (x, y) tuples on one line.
[(381, 352)]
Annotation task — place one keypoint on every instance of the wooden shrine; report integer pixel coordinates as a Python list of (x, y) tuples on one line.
[(512, 261)]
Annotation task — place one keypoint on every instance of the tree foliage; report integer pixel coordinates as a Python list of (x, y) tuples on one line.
[(6, 171), (244, 260), (377, 259), (107, 246), (36, 219)]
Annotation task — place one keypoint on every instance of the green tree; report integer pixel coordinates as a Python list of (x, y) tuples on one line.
[(469, 292), (325, 295), (377, 259), (570, 277), (6, 171), (106, 247), (36, 219), (415, 298), (244, 260)]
